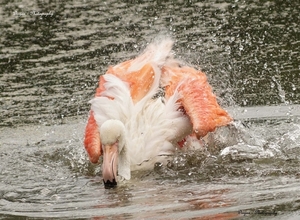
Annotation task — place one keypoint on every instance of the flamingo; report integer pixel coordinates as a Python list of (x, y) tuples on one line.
[(145, 108)]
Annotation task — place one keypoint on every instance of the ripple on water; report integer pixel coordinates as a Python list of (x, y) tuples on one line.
[(49, 68), (53, 173)]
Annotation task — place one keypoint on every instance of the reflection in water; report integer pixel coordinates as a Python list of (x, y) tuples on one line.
[(49, 68)]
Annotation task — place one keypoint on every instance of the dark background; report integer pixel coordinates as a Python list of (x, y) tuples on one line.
[(50, 64)]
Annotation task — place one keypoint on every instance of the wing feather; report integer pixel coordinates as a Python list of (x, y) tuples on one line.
[(197, 98)]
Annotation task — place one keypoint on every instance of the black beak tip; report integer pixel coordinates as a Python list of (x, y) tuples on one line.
[(109, 185)]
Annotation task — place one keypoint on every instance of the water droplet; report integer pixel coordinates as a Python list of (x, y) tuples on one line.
[(228, 49)]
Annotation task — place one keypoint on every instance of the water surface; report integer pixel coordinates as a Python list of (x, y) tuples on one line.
[(51, 55)]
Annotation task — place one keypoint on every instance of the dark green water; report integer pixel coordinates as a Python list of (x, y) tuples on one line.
[(51, 55)]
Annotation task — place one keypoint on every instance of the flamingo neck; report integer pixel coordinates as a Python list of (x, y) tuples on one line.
[(113, 131)]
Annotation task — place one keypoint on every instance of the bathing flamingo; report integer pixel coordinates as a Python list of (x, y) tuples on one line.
[(143, 110)]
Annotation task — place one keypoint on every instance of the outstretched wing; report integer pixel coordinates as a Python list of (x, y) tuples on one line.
[(141, 72), (197, 98)]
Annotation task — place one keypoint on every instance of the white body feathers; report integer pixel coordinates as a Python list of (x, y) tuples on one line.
[(152, 126)]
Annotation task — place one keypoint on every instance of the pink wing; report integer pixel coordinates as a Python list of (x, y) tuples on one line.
[(198, 100)]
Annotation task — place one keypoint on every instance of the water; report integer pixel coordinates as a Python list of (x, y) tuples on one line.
[(49, 68)]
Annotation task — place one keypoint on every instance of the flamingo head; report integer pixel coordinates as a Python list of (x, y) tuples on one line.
[(115, 162)]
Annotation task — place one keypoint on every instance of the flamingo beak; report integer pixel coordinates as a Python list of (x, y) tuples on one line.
[(110, 165)]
